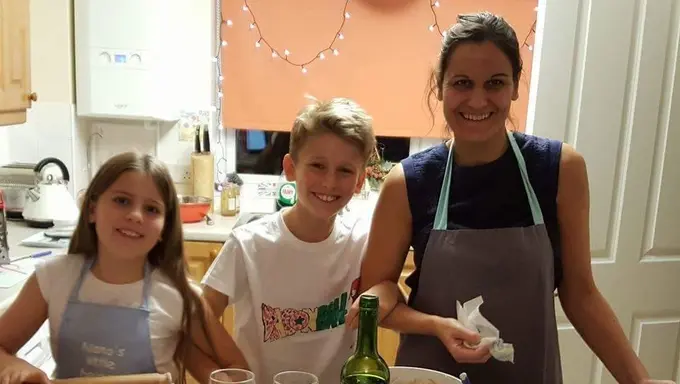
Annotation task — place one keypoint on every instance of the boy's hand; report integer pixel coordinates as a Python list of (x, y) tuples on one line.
[(388, 293), (352, 318)]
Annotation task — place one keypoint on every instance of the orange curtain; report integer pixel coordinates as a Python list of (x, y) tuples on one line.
[(383, 63)]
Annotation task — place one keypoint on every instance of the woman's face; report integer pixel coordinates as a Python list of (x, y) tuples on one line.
[(477, 91)]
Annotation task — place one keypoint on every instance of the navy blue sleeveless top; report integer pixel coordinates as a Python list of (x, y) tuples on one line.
[(486, 196)]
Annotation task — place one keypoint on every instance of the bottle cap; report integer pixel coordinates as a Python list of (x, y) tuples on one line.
[(287, 195)]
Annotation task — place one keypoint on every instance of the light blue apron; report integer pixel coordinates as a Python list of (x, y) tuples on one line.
[(512, 269), (103, 340)]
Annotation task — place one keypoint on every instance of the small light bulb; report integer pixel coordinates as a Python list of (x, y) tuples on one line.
[(224, 43), (252, 26), (286, 52), (229, 23), (321, 56), (436, 4), (244, 8), (347, 15), (219, 94), (335, 52), (431, 28), (341, 36), (531, 48), (304, 70), (221, 78), (257, 44), (274, 55)]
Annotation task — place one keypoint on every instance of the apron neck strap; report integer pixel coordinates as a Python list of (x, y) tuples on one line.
[(87, 265), (441, 217)]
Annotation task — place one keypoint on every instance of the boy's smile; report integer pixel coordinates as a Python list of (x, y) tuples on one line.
[(328, 171)]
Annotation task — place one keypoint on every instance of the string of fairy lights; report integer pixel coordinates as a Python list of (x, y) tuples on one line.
[(330, 49), (285, 54), (435, 26)]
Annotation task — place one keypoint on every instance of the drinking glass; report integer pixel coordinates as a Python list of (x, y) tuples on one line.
[(295, 377), (232, 376)]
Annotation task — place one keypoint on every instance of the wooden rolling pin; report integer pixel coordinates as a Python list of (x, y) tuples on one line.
[(145, 378)]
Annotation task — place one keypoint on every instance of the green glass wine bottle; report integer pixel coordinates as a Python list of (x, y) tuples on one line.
[(366, 366)]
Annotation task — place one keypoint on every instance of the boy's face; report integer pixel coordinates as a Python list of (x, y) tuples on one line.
[(328, 171)]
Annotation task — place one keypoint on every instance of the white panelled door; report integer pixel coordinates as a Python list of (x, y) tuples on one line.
[(607, 80)]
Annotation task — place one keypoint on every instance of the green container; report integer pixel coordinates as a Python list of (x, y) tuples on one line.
[(286, 196)]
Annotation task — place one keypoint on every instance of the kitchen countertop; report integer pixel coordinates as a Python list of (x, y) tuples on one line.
[(218, 232)]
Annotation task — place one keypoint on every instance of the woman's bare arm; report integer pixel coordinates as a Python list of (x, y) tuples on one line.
[(388, 242), (388, 245), (583, 303)]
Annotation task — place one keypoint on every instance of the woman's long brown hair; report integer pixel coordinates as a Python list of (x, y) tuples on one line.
[(167, 255)]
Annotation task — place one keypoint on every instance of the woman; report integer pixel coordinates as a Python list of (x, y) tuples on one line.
[(499, 214)]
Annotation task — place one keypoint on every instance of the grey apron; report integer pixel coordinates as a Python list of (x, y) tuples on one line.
[(512, 269)]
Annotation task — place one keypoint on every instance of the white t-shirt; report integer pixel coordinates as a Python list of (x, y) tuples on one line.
[(290, 297), (58, 275)]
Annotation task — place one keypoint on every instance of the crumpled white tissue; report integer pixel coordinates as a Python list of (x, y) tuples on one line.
[(471, 318)]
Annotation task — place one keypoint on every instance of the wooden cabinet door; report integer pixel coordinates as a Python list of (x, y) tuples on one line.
[(199, 256), (15, 67)]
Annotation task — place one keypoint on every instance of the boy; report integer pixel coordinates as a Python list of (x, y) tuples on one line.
[(291, 275)]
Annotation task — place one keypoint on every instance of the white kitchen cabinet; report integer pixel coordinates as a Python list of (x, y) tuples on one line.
[(16, 95)]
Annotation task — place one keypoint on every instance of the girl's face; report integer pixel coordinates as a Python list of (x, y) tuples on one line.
[(129, 216)]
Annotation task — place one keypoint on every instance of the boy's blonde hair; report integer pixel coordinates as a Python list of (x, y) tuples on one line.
[(339, 116)]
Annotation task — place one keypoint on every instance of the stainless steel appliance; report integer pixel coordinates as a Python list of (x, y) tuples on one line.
[(15, 180)]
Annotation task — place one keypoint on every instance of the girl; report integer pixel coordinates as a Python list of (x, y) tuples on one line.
[(120, 301)]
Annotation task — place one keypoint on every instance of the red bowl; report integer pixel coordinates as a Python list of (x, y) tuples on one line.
[(193, 209)]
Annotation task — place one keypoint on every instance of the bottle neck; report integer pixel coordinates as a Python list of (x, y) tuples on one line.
[(367, 338)]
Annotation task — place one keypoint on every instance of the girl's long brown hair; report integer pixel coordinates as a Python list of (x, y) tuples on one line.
[(167, 255)]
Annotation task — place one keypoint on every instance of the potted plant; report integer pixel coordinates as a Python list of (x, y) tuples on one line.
[(377, 169)]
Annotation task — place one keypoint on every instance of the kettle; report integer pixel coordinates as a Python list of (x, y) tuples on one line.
[(49, 203)]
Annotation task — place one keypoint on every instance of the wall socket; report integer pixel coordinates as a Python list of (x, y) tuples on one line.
[(180, 173)]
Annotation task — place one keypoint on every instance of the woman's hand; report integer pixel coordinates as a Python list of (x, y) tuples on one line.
[(454, 336), (20, 372)]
